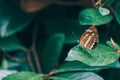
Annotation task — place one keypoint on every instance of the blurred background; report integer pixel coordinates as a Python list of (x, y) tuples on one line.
[(36, 35)]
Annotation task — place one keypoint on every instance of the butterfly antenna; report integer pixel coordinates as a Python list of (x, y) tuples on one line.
[(75, 37)]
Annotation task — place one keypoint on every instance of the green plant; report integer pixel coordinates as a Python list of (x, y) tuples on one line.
[(37, 40)]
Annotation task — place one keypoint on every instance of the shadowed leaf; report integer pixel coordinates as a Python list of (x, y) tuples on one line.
[(117, 11), (12, 19), (51, 52), (11, 44)]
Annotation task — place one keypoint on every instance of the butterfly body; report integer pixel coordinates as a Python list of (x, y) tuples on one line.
[(89, 38)]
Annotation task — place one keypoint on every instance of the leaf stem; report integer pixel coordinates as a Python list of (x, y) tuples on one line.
[(30, 61), (33, 48), (11, 57), (50, 73)]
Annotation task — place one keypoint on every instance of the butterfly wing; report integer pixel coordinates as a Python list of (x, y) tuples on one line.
[(89, 38)]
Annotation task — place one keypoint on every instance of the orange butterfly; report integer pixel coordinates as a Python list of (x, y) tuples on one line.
[(89, 38)]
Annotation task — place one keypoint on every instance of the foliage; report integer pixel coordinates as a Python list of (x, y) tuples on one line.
[(24, 75), (93, 17), (36, 40)]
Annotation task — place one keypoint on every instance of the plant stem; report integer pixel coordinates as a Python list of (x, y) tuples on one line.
[(36, 60), (30, 61), (33, 48), (51, 73), (11, 57)]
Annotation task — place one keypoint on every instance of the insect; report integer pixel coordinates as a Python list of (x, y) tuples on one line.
[(89, 38)]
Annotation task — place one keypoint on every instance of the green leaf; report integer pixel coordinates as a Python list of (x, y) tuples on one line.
[(24, 76), (79, 76), (117, 11), (108, 2), (12, 19), (51, 52), (102, 55), (4, 73), (93, 17), (79, 66), (104, 11), (11, 44), (57, 78)]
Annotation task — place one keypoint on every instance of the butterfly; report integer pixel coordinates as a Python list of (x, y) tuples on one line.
[(89, 38)]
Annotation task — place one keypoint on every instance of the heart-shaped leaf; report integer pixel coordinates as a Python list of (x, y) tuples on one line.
[(102, 55), (93, 17), (104, 11)]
